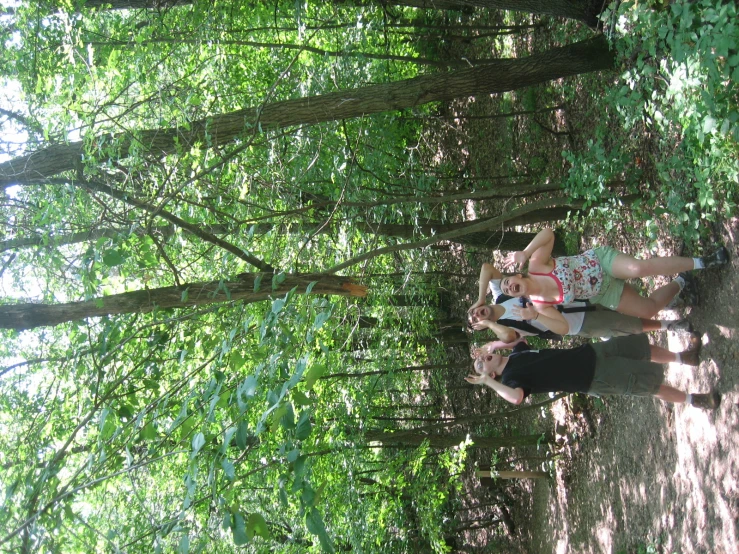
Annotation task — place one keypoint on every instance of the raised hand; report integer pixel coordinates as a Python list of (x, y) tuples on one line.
[(529, 312), (516, 260), (475, 379), (481, 350)]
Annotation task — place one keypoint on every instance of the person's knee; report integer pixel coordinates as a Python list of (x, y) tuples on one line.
[(645, 308), (650, 310), (641, 268), (626, 267)]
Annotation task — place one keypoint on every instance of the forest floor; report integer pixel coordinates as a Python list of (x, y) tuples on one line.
[(630, 475), (646, 476)]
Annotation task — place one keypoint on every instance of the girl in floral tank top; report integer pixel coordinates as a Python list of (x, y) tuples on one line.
[(598, 275), (578, 277)]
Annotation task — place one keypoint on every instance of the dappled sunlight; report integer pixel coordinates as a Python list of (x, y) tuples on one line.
[(605, 537), (649, 473)]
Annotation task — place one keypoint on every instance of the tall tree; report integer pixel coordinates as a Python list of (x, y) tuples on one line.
[(586, 11), (247, 289), (220, 130), (581, 10)]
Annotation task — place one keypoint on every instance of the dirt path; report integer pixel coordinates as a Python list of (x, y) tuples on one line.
[(650, 477)]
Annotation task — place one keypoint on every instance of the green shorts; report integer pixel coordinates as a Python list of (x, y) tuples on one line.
[(611, 288), (622, 366), (602, 322)]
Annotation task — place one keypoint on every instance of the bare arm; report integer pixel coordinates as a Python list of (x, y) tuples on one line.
[(499, 344), (553, 320), (487, 272), (538, 252), (514, 396), (504, 333), (548, 316)]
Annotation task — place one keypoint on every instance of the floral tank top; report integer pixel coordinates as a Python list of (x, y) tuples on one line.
[(577, 277)]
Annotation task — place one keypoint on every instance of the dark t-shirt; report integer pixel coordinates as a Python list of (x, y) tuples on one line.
[(549, 370)]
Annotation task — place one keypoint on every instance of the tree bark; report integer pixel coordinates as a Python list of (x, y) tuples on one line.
[(508, 240), (513, 474), (580, 10), (28, 316), (504, 241), (411, 439), (134, 4), (219, 130)]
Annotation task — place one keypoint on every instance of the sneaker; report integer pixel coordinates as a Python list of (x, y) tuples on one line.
[(680, 326), (717, 259), (691, 356), (689, 294), (709, 401)]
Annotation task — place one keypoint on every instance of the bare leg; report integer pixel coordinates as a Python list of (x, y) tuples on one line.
[(650, 324), (628, 267), (664, 294), (661, 355), (671, 394), (632, 303)]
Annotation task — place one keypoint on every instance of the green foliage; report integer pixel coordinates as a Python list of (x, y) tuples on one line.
[(679, 82)]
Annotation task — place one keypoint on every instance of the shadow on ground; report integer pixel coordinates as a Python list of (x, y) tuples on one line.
[(651, 474)]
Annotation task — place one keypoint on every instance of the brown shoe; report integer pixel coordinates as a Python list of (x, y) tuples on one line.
[(710, 401), (691, 356)]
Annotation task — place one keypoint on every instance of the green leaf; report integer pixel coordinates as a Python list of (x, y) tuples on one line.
[(236, 361), (293, 455), (301, 399), (314, 523), (277, 305), (303, 428), (308, 496), (299, 467), (228, 469), (257, 526), (112, 258), (227, 521), (198, 441), (313, 374), (242, 435), (277, 417), (320, 319), (278, 279), (319, 493), (258, 282), (249, 386), (227, 437), (184, 546), (149, 432), (288, 419), (239, 530)]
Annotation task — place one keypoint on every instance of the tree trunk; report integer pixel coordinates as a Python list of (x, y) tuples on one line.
[(581, 10), (216, 131), (513, 474), (28, 316), (411, 439), (160, 231), (135, 4), (505, 241), (393, 371), (508, 240)]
